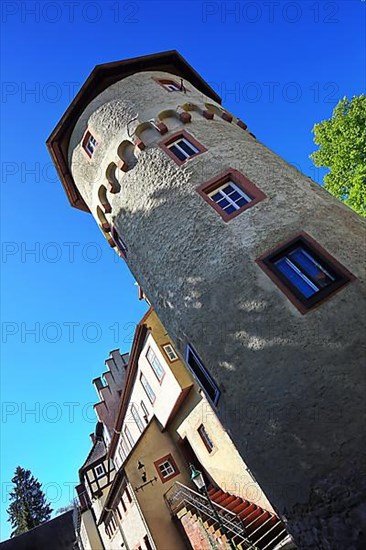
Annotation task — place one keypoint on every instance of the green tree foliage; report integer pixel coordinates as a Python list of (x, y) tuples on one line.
[(342, 149), (28, 507)]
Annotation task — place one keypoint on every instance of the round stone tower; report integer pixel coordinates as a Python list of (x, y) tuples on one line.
[(256, 272)]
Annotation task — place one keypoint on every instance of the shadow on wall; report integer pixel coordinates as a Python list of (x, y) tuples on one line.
[(293, 372)]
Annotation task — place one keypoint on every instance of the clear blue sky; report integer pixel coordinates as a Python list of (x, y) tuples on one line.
[(280, 66)]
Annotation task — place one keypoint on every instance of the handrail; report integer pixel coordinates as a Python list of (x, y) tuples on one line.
[(179, 496), (230, 520), (225, 510)]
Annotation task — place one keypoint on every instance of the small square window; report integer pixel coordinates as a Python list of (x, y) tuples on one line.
[(99, 470), (205, 438), (305, 272), (182, 146), (166, 468), (230, 193), (89, 144), (170, 352), (170, 85)]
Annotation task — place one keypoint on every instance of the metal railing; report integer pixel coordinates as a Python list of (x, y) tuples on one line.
[(262, 536), (179, 496)]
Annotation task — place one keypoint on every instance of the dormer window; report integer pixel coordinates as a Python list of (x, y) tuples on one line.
[(90, 144)]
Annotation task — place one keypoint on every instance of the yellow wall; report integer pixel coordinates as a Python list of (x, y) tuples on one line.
[(153, 445), (160, 336)]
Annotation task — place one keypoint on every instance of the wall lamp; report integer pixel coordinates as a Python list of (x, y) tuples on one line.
[(142, 470)]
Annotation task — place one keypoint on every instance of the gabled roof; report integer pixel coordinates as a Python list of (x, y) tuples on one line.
[(98, 450), (99, 79)]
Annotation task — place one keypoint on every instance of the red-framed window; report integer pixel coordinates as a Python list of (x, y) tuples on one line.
[(166, 468), (182, 146), (230, 193), (89, 143), (170, 352), (169, 84), (305, 272)]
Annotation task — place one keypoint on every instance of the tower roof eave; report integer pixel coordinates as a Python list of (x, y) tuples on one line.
[(99, 79)]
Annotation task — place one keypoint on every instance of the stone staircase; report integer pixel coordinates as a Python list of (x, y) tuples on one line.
[(263, 529), (244, 525)]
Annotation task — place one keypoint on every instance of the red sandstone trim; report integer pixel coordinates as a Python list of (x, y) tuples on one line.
[(106, 227), (162, 128), (140, 144), (227, 117), (122, 165), (242, 124), (207, 114), (185, 117)]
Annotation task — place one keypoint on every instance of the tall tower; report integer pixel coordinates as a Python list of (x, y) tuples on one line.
[(255, 271)]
